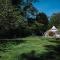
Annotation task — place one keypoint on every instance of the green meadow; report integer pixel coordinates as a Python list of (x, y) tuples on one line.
[(11, 49)]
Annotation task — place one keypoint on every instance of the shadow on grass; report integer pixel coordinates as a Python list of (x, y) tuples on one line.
[(55, 41), (36, 56), (29, 56), (53, 53)]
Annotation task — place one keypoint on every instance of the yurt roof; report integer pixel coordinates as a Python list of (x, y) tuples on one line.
[(54, 28)]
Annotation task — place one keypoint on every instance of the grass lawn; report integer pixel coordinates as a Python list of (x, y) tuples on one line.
[(29, 43)]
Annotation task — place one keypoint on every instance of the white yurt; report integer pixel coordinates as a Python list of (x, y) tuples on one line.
[(51, 32), (54, 29)]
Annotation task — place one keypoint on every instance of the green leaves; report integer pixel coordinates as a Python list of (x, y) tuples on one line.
[(10, 19), (55, 20)]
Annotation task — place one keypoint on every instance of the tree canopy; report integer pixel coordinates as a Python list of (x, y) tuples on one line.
[(55, 20), (42, 18), (10, 19), (26, 7), (19, 18)]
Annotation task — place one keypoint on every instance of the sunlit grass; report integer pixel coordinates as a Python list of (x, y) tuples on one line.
[(31, 43)]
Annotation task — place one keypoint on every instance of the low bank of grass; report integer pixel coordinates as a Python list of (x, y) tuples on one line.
[(30, 43)]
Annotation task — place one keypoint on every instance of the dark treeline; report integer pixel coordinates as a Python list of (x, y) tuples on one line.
[(19, 18)]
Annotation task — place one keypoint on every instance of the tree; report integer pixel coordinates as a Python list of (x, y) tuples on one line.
[(55, 20), (26, 7), (42, 19), (10, 19), (39, 24)]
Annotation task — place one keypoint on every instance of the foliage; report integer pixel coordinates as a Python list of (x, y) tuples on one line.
[(39, 24), (26, 7), (10, 19), (21, 19), (42, 20), (55, 20)]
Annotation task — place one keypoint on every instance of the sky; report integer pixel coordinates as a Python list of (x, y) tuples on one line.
[(48, 6)]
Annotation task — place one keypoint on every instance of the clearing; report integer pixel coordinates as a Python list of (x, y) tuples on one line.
[(12, 50)]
